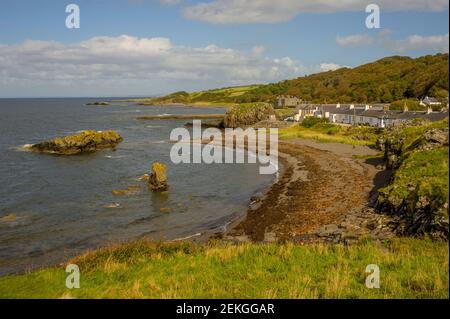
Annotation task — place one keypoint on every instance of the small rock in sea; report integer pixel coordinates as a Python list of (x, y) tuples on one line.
[(86, 141), (8, 218), (164, 209), (129, 190), (113, 205), (101, 103), (158, 177)]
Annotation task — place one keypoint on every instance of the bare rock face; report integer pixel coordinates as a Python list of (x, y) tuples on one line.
[(433, 138), (158, 177), (87, 141)]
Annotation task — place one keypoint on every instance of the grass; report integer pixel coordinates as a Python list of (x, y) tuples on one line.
[(427, 172), (408, 136), (409, 268), (285, 112), (211, 98), (322, 131), (423, 173)]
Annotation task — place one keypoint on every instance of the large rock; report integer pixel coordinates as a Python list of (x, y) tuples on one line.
[(158, 177), (416, 215), (400, 140), (417, 194), (248, 114), (87, 141), (432, 138)]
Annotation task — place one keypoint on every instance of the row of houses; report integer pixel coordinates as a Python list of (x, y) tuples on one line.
[(293, 101), (377, 115)]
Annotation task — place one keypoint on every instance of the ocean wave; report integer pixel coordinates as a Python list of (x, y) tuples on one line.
[(187, 237), (22, 148)]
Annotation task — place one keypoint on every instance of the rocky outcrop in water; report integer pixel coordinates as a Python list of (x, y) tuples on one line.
[(158, 177), (248, 114), (130, 190), (102, 103), (87, 141)]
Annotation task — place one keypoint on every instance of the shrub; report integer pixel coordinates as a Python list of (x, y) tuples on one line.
[(309, 122)]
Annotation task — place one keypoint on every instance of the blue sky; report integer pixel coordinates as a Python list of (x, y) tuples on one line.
[(158, 46)]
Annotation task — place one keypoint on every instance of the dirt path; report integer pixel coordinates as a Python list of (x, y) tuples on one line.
[(320, 185)]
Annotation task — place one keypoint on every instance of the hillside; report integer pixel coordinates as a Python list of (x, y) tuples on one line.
[(216, 97), (387, 80)]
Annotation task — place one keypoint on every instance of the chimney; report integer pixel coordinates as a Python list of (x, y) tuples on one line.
[(352, 106), (367, 107), (338, 105), (405, 107)]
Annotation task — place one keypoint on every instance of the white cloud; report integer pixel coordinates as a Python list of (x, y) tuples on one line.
[(270, 11), (435, 43), (417, 42), (354, 40), (129, 65), (324, 67)]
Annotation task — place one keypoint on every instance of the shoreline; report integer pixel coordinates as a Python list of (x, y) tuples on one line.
[(253, 225), (288, 211), (331, 223)]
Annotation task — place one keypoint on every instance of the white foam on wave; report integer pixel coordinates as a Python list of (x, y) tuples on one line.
[(22, 148), (187, 237)]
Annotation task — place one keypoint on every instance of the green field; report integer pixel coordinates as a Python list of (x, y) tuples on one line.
[(409, 268), (322, 131), (210, 98)]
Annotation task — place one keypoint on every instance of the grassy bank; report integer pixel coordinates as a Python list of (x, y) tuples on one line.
[(427, 172), (323, 131), (210, 98), (409, 268)]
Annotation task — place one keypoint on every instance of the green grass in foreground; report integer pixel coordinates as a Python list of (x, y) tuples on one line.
[(322, 131), (409, 268)]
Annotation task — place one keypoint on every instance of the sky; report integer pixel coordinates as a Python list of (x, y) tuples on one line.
[(154, 47)]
